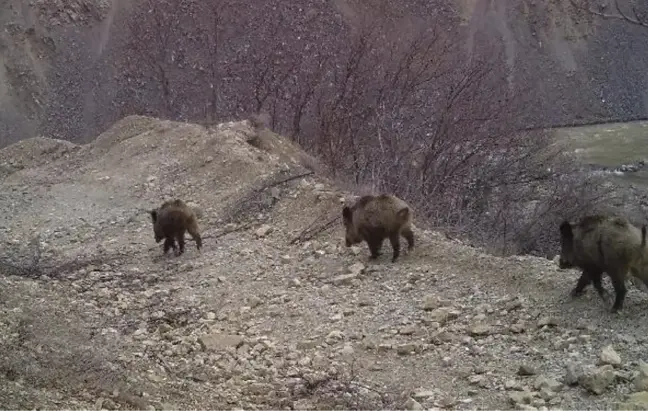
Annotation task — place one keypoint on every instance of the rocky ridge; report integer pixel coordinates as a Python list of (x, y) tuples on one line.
[(274, 312)]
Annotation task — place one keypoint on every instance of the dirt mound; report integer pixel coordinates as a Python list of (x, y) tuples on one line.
[(124, 129), (284, 149), (33, 152), (274, 311), (135, 165)]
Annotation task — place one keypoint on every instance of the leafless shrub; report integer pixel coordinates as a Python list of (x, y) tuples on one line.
[(37, 267), (320, 224), (342, 390), (260, 199), (155, 57), (458, 158)]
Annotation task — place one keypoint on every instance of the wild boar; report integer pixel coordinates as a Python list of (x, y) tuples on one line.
[(171, 221), (600, 244), (374, 218)]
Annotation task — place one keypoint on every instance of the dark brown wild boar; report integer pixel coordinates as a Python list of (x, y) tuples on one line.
[(170, 222), (600, 244), (374, 218)]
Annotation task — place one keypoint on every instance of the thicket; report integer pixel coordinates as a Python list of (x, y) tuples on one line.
[(390, 102)]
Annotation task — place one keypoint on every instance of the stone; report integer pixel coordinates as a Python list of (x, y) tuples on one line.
[(263, 231), (609, 356), (336, 317), (344, 279), (303, 404), (526, 407), (407, 330), (285, 259), (334, 336), (431, 302), (219, 341), (422, 394), (355, 250), (307, 344), (573, 373), (526, 369), (641, 380), (520, 397), (440, 337), (439, 315), (254, 301), (480, 329), (518, 328), (547, 383), (347, 350), (412, 404), (356, 269), (405, 349), (598, 380), (512, 385), (636, 401), (549, 321), (479, 380)]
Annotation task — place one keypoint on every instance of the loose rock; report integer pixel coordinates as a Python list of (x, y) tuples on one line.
[(412, 404), (526, 369), (641, 380), (263, 231), (636, 401), (609, 356), (598, 380), (218, 341)]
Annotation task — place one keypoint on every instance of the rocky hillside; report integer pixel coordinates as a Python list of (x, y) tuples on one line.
[(274, 311), (70, 69), (569, 56)]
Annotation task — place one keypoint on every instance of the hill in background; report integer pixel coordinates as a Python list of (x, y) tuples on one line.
[(71, 69)]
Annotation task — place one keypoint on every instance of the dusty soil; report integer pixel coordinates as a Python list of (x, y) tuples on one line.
[(94, 316)]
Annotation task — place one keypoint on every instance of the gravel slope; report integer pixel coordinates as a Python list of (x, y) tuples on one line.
[(93, 316)]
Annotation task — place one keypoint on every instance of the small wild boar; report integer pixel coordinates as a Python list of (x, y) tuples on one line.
[(374, 218), (610, 244), (170, 222)]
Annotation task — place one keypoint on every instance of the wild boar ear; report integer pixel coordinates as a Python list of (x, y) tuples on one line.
[(153, 215), (346, 214), (566, 230)]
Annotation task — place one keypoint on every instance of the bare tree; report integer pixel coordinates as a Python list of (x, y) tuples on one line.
[(155, 56), (216, 12), (408, 117)]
